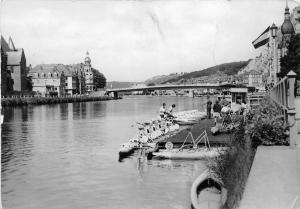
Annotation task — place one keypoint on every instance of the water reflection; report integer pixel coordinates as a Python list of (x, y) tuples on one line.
[(65, 156)]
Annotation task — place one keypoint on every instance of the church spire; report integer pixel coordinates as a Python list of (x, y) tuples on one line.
[(87, 59)]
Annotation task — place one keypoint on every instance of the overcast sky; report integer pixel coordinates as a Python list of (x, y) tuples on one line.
[(134, 40)]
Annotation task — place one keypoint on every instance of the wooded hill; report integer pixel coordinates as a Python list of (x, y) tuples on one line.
[(231, 68)]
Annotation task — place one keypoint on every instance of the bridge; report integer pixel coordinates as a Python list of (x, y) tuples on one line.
[(170, 87)]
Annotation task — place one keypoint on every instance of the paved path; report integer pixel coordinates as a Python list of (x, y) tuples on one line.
[(274, 179)]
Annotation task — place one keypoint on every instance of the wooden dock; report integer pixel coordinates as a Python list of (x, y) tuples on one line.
[(196, 130)]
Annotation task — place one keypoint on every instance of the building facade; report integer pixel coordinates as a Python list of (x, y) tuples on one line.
[(89, 77), (14, 61), (48, 80)]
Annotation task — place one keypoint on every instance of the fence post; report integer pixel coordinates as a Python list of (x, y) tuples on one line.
[(291, 108)]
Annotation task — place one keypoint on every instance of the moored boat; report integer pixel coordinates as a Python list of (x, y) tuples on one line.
[(207, 192), (189, 154), (190, 151)]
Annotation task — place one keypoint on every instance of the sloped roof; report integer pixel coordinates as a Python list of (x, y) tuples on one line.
[(51, 68), (14, 57), (4, 45)]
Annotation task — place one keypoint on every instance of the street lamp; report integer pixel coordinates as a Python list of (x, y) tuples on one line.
[(273, 30)]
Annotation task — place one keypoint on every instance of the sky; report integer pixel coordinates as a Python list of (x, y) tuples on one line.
[(137, 39)]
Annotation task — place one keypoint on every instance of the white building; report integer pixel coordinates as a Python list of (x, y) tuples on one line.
[(48, 80)]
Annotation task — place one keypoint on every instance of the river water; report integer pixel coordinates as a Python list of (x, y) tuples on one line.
[(66, 156)]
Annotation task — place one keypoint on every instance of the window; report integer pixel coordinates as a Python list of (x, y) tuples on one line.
[(66, 84)]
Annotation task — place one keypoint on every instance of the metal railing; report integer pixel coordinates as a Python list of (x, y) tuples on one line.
[(283, 94)]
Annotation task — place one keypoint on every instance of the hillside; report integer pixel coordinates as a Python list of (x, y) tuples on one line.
[(231, 68), (161, 78)]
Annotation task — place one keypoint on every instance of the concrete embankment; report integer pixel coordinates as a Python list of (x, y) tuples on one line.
[(49, 100), (273, 179)]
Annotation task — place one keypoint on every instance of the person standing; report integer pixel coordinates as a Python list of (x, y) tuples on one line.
[(217, 110), (162, 110), (208, 107)]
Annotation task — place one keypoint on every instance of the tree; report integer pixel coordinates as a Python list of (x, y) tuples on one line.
[(29, 83), (99, 79), (291, 61)]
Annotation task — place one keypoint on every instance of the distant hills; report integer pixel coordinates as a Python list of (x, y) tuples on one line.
[(162, 78), (231, 68), (208, 74)]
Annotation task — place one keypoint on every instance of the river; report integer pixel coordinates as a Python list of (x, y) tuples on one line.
[(66, 156)]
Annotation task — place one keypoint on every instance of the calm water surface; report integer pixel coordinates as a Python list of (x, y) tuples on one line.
[(66, 156)]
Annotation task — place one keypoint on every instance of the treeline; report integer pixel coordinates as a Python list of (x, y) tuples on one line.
[(231, 68), (49, 100)]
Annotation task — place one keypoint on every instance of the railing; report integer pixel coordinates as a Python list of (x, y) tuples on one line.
[(283, 93)]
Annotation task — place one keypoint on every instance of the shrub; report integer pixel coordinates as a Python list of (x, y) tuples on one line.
[(268, 126), (234, 165)]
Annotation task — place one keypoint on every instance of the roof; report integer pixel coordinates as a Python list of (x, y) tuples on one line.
[(4, 45), (14, 57), (239, 90), (51, 68)]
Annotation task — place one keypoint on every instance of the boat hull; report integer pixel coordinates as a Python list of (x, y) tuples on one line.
[(198, 154)]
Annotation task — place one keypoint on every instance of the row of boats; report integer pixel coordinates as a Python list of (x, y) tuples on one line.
[(151, 132)]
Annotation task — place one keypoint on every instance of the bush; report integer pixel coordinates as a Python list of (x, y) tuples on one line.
[(234, 165), (268, 126)]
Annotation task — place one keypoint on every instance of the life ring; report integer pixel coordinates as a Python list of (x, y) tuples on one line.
[(169, 146)]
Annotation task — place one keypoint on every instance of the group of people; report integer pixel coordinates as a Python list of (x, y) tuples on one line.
[(163, 112), (222, 108)]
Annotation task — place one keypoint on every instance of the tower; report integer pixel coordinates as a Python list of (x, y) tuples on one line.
[(287, 30), (88, 73)]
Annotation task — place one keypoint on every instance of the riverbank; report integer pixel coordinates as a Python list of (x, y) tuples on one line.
[(50, 100)]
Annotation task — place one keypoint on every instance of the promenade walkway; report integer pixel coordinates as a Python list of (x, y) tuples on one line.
[(274, 179)]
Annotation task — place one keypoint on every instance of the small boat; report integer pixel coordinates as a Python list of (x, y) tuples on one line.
[(128, 147), (189, 154), (190, 117), (185, 121), (208, 192), (190, 151), (148, 134)]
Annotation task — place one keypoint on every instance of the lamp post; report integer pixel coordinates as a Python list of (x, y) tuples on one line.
[(274, 72)]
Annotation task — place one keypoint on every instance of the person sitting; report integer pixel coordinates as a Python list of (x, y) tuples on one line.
[(245, 108), (169, 113), (225, 111), (224, 101), (162, 110)]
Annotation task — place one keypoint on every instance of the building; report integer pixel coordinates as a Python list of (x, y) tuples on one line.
[(59, 79), (253, 78), (276, 42), (79, 76), (89, 77), (6, 80), (14, 61), (49, 79)]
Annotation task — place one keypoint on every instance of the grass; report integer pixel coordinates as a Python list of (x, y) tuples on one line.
[(49, 100)]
